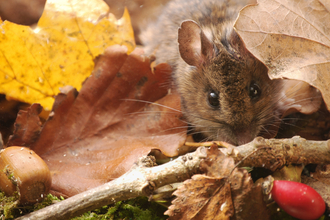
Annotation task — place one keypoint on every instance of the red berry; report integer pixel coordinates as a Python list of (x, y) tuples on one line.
[(298, 200)]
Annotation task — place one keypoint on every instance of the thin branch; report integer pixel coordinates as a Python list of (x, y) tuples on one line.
[(139, 181), (278, 152), (143, 179)]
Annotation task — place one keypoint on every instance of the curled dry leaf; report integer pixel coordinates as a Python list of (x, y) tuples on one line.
[(32, 126), (121, 113), (292, 38), (246, 196), (299, 96), (216, 164), (206, 196), (222, 193)]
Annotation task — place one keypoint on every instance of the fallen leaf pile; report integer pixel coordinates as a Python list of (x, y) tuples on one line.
[(101, 123), (95, 136)]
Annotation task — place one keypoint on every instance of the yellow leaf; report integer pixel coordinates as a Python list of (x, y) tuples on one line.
[(35, 63)]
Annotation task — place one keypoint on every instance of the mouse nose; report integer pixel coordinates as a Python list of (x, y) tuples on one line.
[(243, 136)]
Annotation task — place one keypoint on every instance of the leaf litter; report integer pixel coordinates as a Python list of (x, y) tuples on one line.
[(65, 145)]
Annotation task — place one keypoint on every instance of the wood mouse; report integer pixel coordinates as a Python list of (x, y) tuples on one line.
[(226, 93)]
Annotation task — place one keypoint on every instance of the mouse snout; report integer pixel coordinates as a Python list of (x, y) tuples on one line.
[(243, 136)]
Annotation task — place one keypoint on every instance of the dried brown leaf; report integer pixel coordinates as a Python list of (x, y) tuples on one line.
[(247, 197), (27, 130), (216, 164), (292, 38), (222, 193), (299, 96), (202, 197), (121, 113), (206, 196)]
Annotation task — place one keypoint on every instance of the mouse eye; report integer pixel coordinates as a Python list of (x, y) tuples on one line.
[(213, 99), (254, 91)]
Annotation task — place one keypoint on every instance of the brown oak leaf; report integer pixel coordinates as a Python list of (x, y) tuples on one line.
[(292, 39), (122, 112)]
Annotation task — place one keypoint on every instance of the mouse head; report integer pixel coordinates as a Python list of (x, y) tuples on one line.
[(226, 92)]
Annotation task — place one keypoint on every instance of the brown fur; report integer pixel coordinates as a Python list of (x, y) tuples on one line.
[(230, 72)]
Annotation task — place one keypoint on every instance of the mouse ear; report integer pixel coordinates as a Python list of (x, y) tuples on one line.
[(195, 48)]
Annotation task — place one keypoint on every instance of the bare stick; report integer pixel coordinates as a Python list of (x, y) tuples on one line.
[(139, 181), (279, 152), (143, 179)]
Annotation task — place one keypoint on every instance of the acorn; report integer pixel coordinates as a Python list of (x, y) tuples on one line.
[(23, 171)]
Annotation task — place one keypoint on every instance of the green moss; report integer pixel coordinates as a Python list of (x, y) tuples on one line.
[(8, 205), (138, 209), (49, 200)]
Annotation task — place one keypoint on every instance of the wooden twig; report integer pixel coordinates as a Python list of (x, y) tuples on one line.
[(142, 179), (139, 181), (279, 152)]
